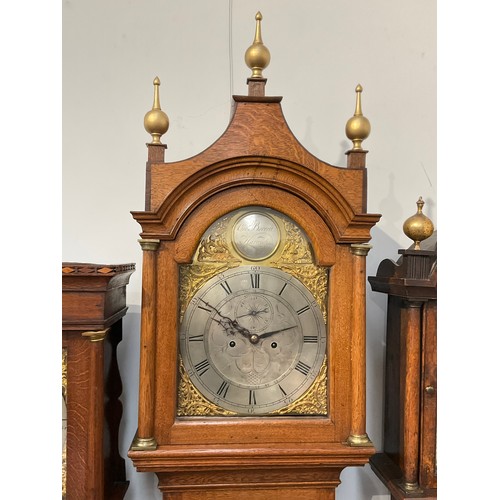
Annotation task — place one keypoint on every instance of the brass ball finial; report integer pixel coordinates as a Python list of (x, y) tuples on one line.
[(418, 227), (358, 127), (156, 121), (257, 56)]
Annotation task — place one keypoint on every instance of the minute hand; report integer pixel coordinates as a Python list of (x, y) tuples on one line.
[(268, 334)]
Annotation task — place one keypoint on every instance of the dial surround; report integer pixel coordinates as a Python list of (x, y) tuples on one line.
[(253, 340)]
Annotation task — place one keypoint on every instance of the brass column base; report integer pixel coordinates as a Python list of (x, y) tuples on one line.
[(140, 444), (409, 488), (359, 440)]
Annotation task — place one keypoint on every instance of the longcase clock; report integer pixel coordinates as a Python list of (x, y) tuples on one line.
[(407, 463), (252, 362), (93, 305)]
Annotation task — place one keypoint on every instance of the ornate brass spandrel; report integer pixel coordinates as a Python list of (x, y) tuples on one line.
[(297, 259), (214, 247), (315, 278), (296, 249), (193, 404), (193, 276), (314, 401)]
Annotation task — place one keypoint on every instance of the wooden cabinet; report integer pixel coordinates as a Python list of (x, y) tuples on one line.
[(93, 305), (407, 463)]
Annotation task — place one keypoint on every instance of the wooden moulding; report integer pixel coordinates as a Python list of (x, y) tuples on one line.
[(93, 295)]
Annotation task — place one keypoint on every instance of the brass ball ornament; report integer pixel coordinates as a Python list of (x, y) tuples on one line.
[(156, 121), (418, 227), (257, 56)]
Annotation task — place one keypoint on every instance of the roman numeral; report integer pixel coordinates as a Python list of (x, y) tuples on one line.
[(251, 398), (222, 391), (255, 280), (202, 367), (303, 368), (303, 310), (196, 338), (310, 339), (283, 289), (282, 390), (205, 309), (226, 287)]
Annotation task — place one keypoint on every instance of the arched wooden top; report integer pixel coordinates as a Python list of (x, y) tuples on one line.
[(288, 187), (257, 129), (257, 153)]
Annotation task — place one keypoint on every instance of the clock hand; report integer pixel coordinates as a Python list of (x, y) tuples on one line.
[(231, 326), (268, 334), (254, 313)]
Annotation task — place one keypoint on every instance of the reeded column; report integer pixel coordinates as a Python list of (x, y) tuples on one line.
[(145, 432), (358, 436), (411, 319)]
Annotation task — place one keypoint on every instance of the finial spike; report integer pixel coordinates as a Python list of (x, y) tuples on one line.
[(156, 121), (257, 56), (358, 127)]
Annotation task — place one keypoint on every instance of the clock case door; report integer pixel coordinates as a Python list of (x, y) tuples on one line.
[(257, 162)]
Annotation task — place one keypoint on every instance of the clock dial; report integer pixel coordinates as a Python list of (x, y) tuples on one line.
[(253, 340)]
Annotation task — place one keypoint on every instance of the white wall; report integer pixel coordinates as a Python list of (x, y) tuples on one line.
[(320, 51)]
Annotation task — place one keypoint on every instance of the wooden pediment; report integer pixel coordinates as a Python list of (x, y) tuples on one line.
[(257, 150)]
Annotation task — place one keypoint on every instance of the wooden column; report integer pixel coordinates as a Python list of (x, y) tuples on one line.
[(358, 436), (411, 321), (156, 154), (145, 432)]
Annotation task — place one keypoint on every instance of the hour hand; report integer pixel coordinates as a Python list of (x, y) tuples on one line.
[(231, 326)]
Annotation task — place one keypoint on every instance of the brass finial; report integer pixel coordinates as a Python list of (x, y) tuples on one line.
[(358, 127), (156, 121), (418, 227), (257, 56)]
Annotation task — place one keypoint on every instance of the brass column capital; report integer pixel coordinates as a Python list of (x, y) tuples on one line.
[(96, 336), (360, 249), (151, 245)]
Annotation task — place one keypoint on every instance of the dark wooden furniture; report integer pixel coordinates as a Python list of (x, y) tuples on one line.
[(256, 165), (93, 304), (407, 464)]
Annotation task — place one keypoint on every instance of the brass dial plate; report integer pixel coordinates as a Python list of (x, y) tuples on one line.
[(253, 314)]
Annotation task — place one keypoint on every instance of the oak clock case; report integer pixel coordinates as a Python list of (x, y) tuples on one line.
[(252, 361), (252, 336)]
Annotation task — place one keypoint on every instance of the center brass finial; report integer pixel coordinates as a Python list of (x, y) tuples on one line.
[(358, 126), (257, 56)]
